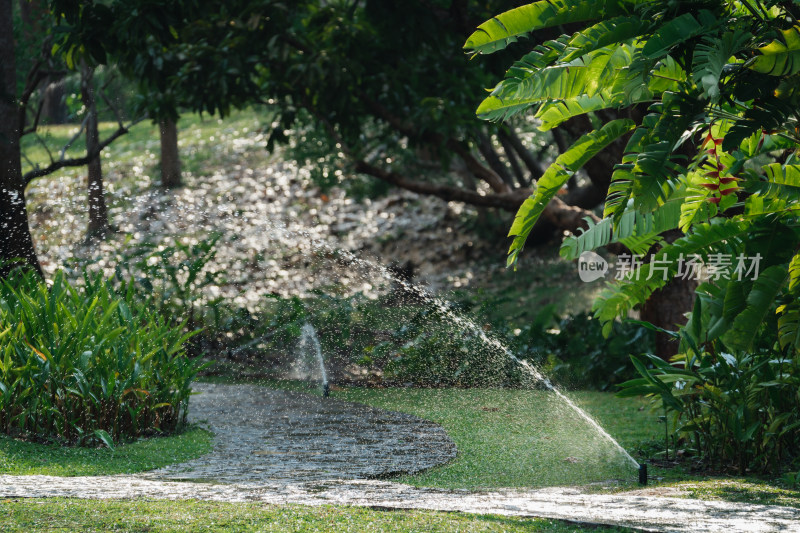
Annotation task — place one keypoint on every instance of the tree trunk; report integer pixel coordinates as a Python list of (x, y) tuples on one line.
[(16, 243), (54, 109), (98, 214), (667, 308), (170, 159), (490, 155)]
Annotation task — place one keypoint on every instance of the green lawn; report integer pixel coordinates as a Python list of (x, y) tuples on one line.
[(520, 438), (27, 458), (57, 514)]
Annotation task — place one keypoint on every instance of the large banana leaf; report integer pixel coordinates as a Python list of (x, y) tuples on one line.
[(605, 33), (498, 32), (560, 111), (759, 303), (584, 76), (783, 183), (780, 57), (794, 272), (557, 175), (789, 330)]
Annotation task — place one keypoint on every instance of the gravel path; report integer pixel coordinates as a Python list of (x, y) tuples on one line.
[(280, 447)]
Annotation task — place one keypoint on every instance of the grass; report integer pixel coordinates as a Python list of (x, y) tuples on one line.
[(28, 458), (511, 438), (155, 516), (199, 141), (519, 438), (747, 490)]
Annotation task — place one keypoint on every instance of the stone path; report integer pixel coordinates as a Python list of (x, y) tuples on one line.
[(272, 437), (279, 447)]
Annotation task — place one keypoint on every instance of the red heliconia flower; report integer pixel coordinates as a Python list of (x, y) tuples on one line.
[(710, 139), (714, 199), (732, 190), (710, 186), (728, 179)]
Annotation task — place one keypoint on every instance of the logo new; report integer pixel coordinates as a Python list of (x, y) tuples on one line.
[(591, 266)]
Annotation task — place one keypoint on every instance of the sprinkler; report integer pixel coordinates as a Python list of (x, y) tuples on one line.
[(326, 391), (643, 474)]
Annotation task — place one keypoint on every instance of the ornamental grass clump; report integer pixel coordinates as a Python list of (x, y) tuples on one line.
[(87, 364)]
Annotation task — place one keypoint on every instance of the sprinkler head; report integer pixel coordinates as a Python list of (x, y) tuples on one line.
[(643, 474), (326, 390)]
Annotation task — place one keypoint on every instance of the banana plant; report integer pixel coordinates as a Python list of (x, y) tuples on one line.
[(713, 156)]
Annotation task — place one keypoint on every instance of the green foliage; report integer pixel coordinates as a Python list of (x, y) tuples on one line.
[(740, 409), (171, 279), (557, 175), (712, 156), (576, 354), (373, 93), (89, 364)]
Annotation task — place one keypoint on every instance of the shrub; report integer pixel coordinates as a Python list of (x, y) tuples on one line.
[(575, 352), (731, 407), (85, 364)]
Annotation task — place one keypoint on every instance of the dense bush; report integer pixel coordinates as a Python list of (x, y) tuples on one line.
[(430, 352), (85, 364), (575, 353), (728, 406)]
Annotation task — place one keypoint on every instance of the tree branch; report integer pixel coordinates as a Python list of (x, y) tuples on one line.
[(533, 165), (561, 215), (508, 201), (511, 155), (492, 158), (480, 171), (74, 138), (77, 162)]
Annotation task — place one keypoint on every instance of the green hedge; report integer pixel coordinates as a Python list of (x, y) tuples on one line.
[(90, 363)]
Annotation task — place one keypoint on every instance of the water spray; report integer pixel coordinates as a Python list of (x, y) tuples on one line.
[(309, 339)]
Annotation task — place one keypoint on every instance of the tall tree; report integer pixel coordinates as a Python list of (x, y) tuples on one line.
[(376, 95), (16, 243), (170, 157), (98, 213)]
